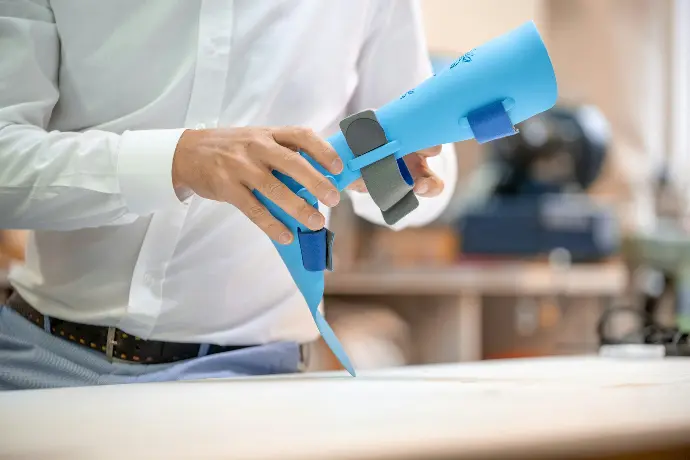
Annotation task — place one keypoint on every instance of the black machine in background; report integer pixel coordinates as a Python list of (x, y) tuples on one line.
[(644, 324), (534, 200)]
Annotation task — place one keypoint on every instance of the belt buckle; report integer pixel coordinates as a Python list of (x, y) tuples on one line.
[(110, 343)]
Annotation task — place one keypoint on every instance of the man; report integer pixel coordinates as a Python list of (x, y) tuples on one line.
[(131, 136)]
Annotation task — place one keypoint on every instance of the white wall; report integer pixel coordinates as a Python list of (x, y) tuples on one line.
[(455, 26)]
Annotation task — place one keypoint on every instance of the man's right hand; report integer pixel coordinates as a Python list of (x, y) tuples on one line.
[(228, 164)]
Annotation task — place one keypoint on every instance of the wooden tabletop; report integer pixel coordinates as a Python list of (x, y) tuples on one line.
[(507, 278), (546, 408)]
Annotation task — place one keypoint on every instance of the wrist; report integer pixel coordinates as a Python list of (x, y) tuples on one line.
[(181, 150)]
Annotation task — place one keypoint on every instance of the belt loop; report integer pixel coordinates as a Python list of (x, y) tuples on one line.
[(304, 357), (203, 350), (110, 343), (46, 323)]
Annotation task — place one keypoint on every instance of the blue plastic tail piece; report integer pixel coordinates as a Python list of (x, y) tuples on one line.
[(333, 343)]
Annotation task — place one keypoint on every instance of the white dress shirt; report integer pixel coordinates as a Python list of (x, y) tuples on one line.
[(93, 98)]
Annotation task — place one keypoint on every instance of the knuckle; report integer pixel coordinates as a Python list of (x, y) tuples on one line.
[(256, 213), (323, 185), (255, 131), (263, 131), (273, 229), (327, 151), (255, 142), (276, 191), (306, 132), (305, 210), (290, 155)]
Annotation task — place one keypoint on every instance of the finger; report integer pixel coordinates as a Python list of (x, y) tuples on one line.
[(430, 152), (293, 164), (358, 186), (426, 182), (313, 145), (249, 205), (273, 189), (429, 186)]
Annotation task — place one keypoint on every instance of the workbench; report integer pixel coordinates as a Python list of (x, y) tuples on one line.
[(564, 408), (457, 328)]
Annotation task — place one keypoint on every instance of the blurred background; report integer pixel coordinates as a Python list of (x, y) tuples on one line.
[(567, 236)]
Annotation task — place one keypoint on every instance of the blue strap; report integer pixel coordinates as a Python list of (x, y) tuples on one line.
[(316, 248), (490, 122), (405, 172), (373, 156)]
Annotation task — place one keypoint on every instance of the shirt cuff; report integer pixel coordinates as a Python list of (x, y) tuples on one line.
[(144, 169)]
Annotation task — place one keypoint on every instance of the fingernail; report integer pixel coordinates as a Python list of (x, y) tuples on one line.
[(331, 199), (337, 165), (316, 220), (422, 187), (285, 238)]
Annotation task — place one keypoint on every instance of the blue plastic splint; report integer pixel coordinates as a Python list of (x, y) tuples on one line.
[(481, 95)]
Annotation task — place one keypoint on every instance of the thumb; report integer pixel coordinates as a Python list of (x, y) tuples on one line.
[(426, 183)]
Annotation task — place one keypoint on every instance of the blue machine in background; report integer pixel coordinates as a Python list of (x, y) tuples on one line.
[(537, 201)]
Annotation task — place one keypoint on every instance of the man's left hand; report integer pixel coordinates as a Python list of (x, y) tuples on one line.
[(426, 183)]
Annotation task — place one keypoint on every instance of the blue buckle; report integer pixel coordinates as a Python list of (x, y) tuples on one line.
[(317, 249), (490, 122)]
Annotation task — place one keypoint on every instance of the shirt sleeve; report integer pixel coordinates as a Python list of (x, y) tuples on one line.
[(52, 180), (393, 60)]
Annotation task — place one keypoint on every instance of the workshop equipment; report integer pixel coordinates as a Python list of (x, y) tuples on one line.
[(656, 315), (533, 199), (663, 256)]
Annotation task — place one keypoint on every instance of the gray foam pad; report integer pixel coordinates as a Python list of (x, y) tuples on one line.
[(386, 185)]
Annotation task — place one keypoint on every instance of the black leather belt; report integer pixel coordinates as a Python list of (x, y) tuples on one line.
[(113, 342)]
